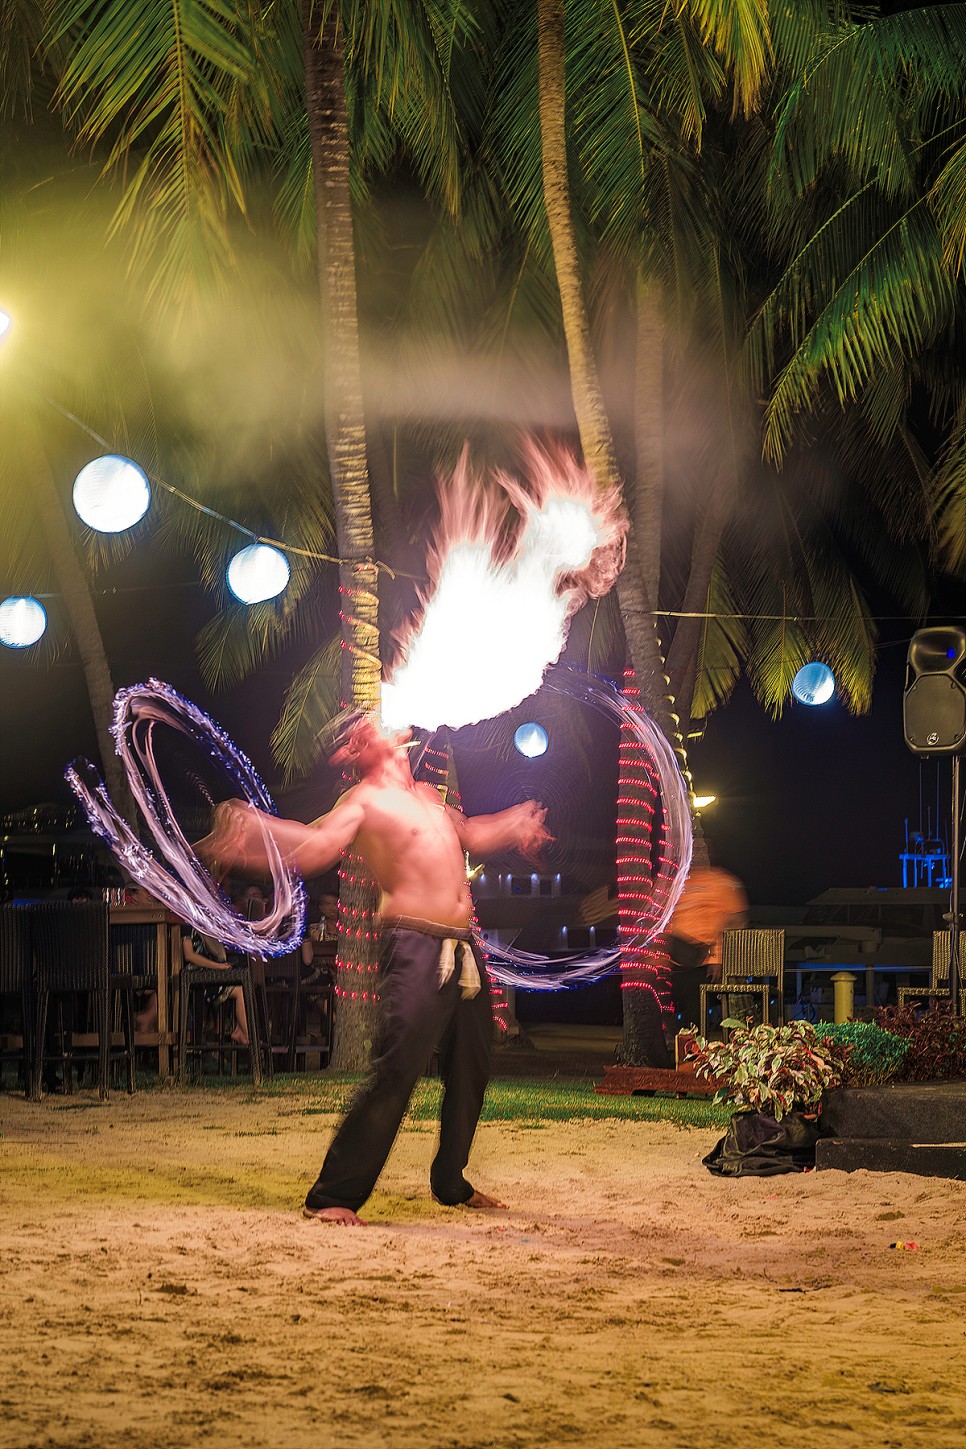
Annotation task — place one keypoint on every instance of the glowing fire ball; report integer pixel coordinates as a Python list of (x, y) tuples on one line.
[(531, 740), (814, 684), (22, 622), (111, 494), (257, 573)]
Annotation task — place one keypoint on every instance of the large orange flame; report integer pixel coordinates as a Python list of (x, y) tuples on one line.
[(508, 567)]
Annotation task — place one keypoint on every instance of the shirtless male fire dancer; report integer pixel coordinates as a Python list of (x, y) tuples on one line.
[(432, 980)]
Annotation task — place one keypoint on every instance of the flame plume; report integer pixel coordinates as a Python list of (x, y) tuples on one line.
[(509, 566)]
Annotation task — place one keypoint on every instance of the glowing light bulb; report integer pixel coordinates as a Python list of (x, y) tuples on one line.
[(22, 622), (6, 321), (111, 494), (531, 740), (257, 573), (814, 684), (701, 802)]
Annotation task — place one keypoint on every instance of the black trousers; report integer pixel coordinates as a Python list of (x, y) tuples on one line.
[(417, 1015)]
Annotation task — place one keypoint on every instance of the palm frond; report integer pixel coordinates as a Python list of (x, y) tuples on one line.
[(739, 33), (310, 702), (869, 94), (612, 119), (884, 305), (21, 26), (948, 200), (160, 83), (400, 59), (951, 500), (723, 649)]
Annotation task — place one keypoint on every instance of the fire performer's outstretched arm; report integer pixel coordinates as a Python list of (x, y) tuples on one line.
[(238, 840), (521, 826)]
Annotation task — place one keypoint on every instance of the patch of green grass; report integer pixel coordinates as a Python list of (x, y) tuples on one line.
[(507, 1100)]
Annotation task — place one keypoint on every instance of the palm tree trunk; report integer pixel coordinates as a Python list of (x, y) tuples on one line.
[(345, 433), (73, 586), (593, 425), (647, 504), (642, 1026)]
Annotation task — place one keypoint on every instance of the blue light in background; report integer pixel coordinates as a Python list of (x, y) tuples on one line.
[(531, 740), (814, 684)]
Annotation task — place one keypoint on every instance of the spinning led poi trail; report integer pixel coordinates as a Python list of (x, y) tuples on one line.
[(526, 581)]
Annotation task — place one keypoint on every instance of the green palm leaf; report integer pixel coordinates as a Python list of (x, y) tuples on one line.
[(724, 646), (738, 31), (870, 93), (310, 702), (160, 82), (884, 304), (948, 201)]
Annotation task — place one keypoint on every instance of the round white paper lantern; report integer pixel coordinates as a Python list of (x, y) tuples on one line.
[(814, 684), (531, 740), (22, 622), (257, 573), (111, 494)]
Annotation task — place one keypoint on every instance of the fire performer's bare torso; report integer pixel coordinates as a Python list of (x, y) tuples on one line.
[(411, 844), (411, 841)]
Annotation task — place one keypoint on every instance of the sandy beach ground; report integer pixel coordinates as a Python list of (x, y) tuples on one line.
[(158, 1287)]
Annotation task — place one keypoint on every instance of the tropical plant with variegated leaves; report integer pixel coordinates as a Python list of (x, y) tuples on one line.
[(773, 1069)]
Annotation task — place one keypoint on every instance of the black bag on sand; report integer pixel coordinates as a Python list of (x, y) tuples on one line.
[(756, 1145)]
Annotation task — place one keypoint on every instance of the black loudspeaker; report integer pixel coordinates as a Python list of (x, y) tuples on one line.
[(934, 702)]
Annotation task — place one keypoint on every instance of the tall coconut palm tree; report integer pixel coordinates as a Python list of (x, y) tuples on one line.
[(197, 104)]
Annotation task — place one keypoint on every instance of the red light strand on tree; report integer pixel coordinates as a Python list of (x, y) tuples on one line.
[(640, 854)]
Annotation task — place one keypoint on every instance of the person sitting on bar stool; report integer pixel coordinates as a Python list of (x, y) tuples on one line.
[(198, 949), (326, 928)]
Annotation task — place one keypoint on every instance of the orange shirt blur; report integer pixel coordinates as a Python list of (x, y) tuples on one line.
[(712, 901)]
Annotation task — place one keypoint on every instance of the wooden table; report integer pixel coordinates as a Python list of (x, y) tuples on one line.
[(168, 966)]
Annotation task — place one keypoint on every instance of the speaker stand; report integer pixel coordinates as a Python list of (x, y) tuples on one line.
[(955, 965)]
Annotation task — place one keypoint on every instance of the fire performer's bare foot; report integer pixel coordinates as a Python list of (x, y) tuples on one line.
[(479, 1201), (342, 1217)]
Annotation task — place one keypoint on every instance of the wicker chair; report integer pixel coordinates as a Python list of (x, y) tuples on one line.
[(134, 953), (938, 988), (15, 980), (282, 978), (194, 980), (314, 1023), (752, 964), (71, 955)]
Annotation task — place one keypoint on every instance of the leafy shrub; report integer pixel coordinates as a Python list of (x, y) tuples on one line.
[(770, 1069), (872, 1055), (935, 1041)]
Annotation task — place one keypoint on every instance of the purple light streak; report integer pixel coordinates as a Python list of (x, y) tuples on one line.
[(186, 887)]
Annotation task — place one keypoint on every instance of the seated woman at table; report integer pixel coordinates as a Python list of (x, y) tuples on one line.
[(198, 949)]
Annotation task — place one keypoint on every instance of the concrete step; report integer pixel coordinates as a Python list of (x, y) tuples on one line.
[(912, 1111), (883, 1154)]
